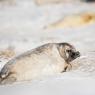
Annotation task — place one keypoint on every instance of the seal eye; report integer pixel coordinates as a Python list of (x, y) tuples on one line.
[(69, 51)]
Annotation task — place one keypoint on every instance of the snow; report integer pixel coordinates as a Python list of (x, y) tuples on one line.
[(56, 86), (22, 27)]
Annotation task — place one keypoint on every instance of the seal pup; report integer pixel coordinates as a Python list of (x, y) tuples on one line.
[(50, 58)]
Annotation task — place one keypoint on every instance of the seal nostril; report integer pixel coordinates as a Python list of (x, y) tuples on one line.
[(78, 54)]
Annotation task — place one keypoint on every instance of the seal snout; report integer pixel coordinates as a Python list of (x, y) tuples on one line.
[(75, 55)]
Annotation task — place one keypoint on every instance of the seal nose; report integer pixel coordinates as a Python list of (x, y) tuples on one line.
[(78, 53)]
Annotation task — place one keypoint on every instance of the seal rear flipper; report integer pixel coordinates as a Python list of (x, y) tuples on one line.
[(0, 79), (8, 80)]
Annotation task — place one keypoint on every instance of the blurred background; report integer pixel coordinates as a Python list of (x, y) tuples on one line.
[(26, 24)]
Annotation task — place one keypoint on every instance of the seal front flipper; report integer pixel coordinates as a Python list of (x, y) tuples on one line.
[(67, 67)]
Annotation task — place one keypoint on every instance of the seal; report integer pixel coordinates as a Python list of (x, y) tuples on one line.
[(48, 59)]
